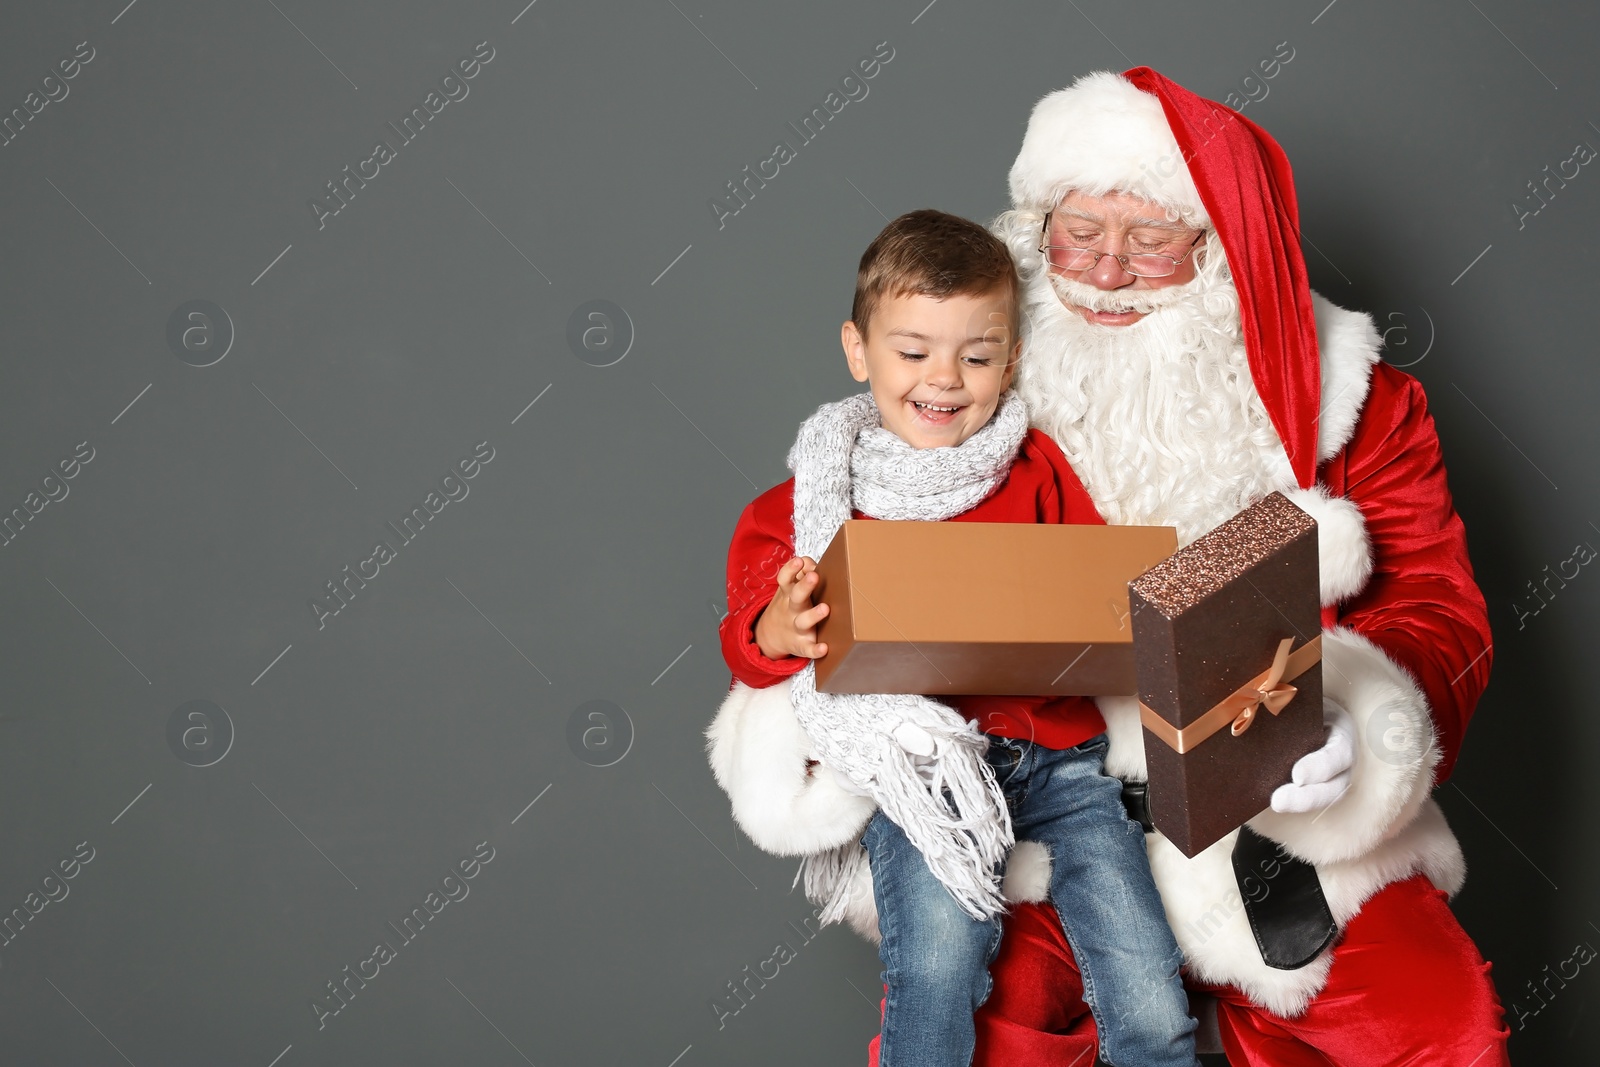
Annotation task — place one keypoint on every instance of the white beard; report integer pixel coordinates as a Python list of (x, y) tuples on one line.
[(1160, 419)]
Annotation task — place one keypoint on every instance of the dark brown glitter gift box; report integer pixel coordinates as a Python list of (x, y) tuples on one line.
[(1227, 638)]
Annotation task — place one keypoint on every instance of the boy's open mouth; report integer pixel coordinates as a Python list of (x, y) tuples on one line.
[(936, 413)]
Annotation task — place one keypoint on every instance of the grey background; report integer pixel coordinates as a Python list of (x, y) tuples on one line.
[(587, 560)]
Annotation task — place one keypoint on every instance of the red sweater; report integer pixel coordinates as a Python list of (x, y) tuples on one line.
[(1041, 487)]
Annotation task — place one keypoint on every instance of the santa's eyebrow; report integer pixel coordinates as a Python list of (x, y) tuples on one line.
[(1141, 222), (1074, 213), (1156, 224)]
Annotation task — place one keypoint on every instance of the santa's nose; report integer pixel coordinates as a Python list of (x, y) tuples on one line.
[(1107, 273)]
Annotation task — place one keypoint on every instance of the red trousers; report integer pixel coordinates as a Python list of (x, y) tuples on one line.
[(1407, 988)]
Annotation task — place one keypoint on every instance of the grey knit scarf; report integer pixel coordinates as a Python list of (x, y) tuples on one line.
[(950, 806)]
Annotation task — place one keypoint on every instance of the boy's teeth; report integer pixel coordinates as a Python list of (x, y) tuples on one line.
[(931, 407)]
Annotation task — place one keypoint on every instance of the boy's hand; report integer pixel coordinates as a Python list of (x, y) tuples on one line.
[(789, 625)]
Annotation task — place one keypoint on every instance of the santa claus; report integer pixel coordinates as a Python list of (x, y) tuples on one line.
[(1176, 353)]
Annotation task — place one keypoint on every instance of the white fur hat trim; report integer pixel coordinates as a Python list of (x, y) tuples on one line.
[(1098, 136)]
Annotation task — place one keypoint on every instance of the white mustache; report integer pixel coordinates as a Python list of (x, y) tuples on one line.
[(1144, 301)]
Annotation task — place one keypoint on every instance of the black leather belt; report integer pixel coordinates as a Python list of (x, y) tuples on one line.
[(1282, 895), (1136, 798)]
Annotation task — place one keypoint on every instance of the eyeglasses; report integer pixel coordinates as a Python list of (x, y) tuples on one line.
[(1139, 264)]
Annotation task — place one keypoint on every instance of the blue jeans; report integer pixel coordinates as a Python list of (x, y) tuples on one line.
[(936, 957)]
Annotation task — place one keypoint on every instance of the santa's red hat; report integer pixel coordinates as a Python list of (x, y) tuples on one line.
[(1142, 134)]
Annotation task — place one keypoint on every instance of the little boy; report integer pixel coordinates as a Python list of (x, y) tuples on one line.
[(933, 331)]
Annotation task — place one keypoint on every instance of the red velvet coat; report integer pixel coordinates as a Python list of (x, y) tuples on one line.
[(1423, 609)]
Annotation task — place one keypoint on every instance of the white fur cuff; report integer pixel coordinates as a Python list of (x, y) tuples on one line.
[(1344, 553), (760, 756), (1395, 752)]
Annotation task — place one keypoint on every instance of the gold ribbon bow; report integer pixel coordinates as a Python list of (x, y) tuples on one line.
[(1273, 692), (1239, 709)]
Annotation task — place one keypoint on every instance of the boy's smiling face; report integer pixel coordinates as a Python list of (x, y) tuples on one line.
[(936, 367)]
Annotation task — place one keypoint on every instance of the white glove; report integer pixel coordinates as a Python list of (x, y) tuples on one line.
[(1319, 778)]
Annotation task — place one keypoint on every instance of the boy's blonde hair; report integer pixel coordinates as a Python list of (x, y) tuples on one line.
[(932, 253)]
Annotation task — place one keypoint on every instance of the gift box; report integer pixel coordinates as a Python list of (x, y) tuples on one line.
[(981, 608), (1227, 648)]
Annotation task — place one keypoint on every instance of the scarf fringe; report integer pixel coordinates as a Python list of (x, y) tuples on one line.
[(963, 851), (954, 812)]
